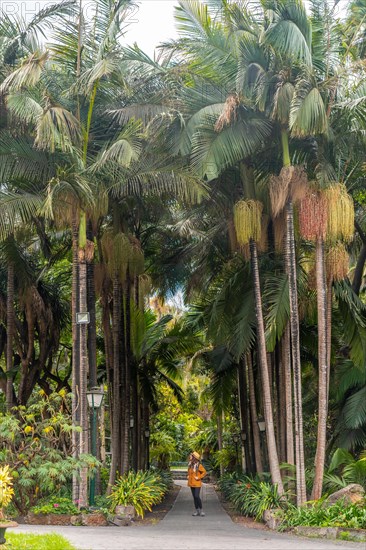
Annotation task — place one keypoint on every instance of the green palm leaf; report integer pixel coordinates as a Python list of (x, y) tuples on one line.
[(213, 152), (308, 114)]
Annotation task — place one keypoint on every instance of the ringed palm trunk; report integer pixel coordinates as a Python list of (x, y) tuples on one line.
[(254, 417), (10, 329), (295, 349), (75, 354), (244, 410), (267, 399), (290, 254), (84, 435), (126, 400), (323, 371), (286, 360), (116, 383)]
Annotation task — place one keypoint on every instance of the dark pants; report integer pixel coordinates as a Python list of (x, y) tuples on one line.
[(196, 497)]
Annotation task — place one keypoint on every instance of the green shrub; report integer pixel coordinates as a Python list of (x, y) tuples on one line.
[(56, 505), (352, 516), (254, 497), (250, 496), (36, 441), (227, 483), (139, 489)]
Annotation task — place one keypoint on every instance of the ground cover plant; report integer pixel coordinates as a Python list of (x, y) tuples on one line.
[(48, 541), (317, 514)]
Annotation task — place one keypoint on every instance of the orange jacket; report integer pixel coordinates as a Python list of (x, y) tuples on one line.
[(195, 476)]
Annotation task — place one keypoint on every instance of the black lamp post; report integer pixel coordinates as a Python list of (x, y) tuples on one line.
[(236, 439), (262, 428), (95, 398), (147, 447)]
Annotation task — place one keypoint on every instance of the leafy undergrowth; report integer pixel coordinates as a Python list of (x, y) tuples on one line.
[(51, 541)]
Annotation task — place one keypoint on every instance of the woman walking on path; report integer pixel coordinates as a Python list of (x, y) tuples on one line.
[(195, 474)]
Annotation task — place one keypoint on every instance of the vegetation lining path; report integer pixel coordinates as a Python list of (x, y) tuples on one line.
[(180, 531)]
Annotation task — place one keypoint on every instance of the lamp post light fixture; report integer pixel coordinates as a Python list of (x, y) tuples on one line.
[(261, 424), (83, 318), (243, 436), (95, 399)]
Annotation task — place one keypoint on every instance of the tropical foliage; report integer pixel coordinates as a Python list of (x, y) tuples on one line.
[(228, 173)]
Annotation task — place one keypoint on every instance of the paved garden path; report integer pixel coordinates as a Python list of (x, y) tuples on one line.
[(180, 531)]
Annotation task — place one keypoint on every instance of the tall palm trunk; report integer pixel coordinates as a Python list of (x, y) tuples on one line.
[(10, 329), (295, 349), (267, 400), (254, 417), (84, 435), (116, 383), (126, 389), (323, 371), (243, 408), (75, 354), (281, 398), (286, 360), (92, 328), (290, 254)]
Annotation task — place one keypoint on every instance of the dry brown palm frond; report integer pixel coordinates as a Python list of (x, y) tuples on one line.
[(245, 251), (102, 280), (145, 285), (313, 215), (337, 262), (278, 193), (229, 113), (136, 261), (263, 241), (291, 183), (279, 229), (298, 184)]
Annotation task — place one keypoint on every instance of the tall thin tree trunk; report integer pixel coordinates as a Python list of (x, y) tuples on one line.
[(10, 329), (115, 402), (75, 354), (323, 371), (286, 360), (243, 407), (267, 399), (295, 348), (254, 417), (84, 435), (329, 334), (92, 327), (281, 398), (125, 449)]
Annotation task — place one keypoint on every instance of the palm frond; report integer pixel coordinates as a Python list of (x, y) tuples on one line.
[(214, 152), (24, 107), (27, 75), (57, 129), (308, 114), (276, 297)]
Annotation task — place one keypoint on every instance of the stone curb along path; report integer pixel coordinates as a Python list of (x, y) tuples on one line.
[(180, 531)]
